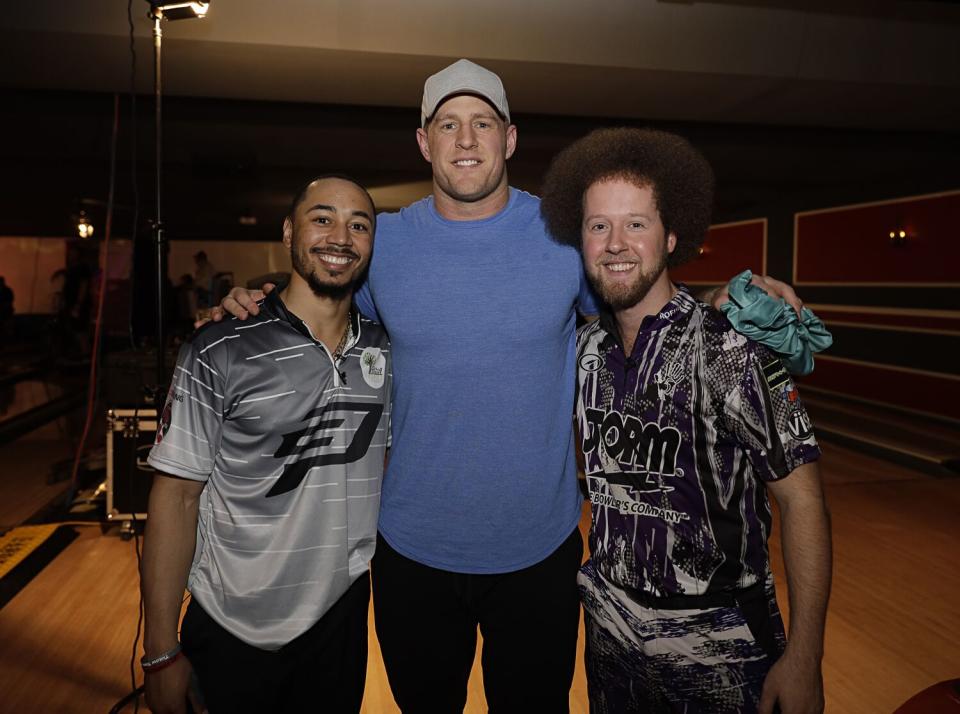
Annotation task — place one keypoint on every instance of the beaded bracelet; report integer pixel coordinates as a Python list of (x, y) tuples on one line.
[(161, 661)]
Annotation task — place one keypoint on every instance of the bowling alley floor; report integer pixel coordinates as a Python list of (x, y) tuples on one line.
[(66, 638)]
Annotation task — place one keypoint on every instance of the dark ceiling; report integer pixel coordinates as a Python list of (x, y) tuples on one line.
[(796, 104), (227, 159)]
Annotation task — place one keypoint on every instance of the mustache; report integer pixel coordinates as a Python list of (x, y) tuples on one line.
[(350, 253)]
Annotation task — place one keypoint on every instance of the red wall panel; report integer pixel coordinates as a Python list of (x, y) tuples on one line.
[(728, 249), (851, 245), (938, 321), (921, 391)]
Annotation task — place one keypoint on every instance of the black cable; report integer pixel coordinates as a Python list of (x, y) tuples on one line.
[(93, 388), (136, 638), (136, 691), (135, 694), (133, 175)]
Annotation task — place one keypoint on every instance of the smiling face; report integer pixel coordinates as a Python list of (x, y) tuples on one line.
[(625, 248), (468, 145), (330, 236)]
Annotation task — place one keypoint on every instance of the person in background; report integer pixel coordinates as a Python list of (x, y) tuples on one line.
[(204, 275), (75, 306), (6, 309), (186, 304)]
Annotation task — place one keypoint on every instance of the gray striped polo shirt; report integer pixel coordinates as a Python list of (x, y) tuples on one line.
[(291, 448)]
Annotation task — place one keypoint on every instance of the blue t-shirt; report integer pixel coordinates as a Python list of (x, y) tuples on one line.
[(481, 319)]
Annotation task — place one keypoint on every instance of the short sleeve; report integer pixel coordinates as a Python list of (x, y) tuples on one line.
[(765, 414), (389, 388), (588, 304), (363, 298), (188, 431)]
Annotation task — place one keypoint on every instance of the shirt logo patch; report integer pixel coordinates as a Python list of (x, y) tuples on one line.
[(649, 448), (775, 374), (590, 363), (164, 424), (733, 340), (373, 365), (309, 446), (799, 425), (667, 379)]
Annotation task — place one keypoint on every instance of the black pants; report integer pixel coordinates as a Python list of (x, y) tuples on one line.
[(427, 622), (322, 670)]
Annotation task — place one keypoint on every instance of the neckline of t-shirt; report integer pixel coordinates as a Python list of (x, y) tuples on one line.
[(480, 222)]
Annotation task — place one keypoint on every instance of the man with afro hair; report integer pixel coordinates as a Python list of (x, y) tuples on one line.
[(684, 426)]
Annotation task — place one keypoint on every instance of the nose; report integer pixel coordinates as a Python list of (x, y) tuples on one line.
[(615, 240), (340, 235), (466, 137)]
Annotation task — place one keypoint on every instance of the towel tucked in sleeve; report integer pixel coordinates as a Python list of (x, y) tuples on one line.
[(775, 324)]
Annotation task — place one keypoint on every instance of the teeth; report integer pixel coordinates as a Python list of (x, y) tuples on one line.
[(338, 259), (466, 162), (619, 267)]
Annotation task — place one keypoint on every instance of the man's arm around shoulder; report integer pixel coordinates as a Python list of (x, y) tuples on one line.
[(796, 680), (168, 549)]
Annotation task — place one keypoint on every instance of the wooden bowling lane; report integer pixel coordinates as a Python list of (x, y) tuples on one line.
[(65, 639), (894, 619)]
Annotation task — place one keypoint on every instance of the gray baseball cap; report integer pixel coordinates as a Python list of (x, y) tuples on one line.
[(463, 77)]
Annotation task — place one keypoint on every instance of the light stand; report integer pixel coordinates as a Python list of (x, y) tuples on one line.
[(158, 11)]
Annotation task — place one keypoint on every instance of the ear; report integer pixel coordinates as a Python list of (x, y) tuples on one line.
[(671, 242), (511, 140), (424, 144), (287, 232)]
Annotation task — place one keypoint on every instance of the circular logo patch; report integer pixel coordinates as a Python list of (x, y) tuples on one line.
[(799, 425), (590, 363)]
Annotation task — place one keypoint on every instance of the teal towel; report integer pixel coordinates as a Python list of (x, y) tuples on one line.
[(775, 324)]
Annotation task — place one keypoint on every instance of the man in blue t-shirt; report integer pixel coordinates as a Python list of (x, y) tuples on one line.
[(480, 504)]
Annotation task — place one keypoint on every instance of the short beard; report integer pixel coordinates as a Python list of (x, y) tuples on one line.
[(623, 297), (326, 290), (320, 288)]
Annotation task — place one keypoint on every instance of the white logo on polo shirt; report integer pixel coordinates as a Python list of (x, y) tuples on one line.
[(373, 366)]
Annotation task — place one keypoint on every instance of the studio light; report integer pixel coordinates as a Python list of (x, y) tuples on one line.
[(164, 10), (178, 10)]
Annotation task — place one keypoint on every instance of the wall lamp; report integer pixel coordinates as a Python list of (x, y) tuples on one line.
[(84, 226), (898, 237)]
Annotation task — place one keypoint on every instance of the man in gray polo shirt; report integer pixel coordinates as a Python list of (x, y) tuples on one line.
[(270, 451)]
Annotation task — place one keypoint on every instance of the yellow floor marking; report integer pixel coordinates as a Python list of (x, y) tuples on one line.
[(17, 543)]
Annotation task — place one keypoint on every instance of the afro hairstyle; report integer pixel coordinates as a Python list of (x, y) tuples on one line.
[(678, 174)]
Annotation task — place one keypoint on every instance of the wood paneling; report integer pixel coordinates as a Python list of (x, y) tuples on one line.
[(926, 392), (891, 630), (728, 249), (851, 245), (940, 322)]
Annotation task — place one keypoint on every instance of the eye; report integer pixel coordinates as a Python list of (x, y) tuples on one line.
[(359, 227), (322, 220), (637, 225), (448, 126), (482, 125), (597, 226)]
